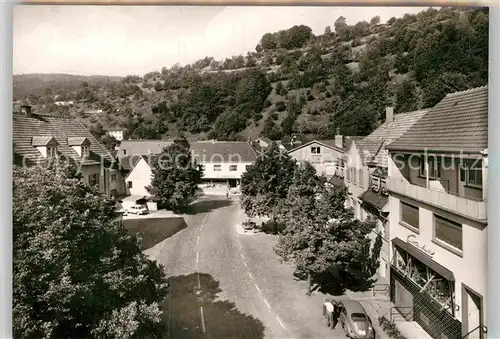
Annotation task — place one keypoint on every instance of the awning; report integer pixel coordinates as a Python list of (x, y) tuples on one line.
[(425, 259)]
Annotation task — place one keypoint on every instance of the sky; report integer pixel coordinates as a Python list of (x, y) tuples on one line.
[(126, 40)]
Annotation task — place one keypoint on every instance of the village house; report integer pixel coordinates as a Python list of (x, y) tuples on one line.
[(322, 154), (116, 133), (223, 163), (365, 164), (40, 138), (438, 221)]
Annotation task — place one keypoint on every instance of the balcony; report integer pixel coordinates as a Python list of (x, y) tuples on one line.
[(467, 207)]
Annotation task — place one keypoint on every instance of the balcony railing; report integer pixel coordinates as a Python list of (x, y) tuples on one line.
[(475, 209)]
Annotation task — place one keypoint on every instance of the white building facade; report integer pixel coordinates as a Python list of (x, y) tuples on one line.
[(438, 221)]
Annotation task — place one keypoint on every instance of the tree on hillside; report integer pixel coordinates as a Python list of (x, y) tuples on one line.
[(320, 234), (265, 185), (407, 97), (77, 274), (109, 142), (175, 176), (268, 41), (328, 30), (375, 20)]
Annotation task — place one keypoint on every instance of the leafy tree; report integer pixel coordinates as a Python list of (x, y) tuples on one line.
[(320, 234), (265, 185), (258, 48), (340, 24), (328, 30), (175, 176), (268, 41), (375, 20), (109, 142), (406, 97), (271, 130), (76, 273)]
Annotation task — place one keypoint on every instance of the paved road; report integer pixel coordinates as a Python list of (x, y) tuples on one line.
[(230, 285)]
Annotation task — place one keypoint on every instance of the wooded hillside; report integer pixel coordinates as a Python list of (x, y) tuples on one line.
[(293, 83)]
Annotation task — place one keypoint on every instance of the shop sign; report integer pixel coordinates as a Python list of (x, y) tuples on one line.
[(411, 239)]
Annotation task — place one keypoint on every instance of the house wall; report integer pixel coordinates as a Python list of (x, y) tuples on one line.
[(324, 163), (449, 180), (224, 173), (469, 266), (355, 186), (140, 176)]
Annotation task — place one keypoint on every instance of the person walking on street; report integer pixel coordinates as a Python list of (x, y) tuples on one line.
[(328, 309)]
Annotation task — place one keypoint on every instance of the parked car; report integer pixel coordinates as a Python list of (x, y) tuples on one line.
[(355, 321), (137, 209)]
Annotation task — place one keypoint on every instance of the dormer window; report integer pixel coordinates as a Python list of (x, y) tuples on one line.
[(80, 145), (85, 151), (46, 145), (51, 151)]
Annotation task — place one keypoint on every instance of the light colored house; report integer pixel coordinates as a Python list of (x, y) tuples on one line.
[(366, 173), (322, 154), (116, 133), (40, 138), (438, 221), (223, 162)]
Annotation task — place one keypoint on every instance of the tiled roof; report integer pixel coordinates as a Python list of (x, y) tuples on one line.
[(24, 128), (77, 141), (457, 123), (223, 151), (42, 140), (128, 162), (202, 150), (371, 147), (375, 199), (330, 143), (142, 147)]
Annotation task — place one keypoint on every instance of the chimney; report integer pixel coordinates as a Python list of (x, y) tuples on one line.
[(339, 139), (26, 110), (389, 114)]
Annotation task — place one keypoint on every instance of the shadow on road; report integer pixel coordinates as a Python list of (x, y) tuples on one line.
[(182, 310), (154, 230), (205, 206)]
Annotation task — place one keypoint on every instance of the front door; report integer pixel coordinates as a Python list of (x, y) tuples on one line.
[(472, 313), (403, 300)]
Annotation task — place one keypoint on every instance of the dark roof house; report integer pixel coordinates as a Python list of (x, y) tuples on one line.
[(458, 123), (372, 147), (31, 131)]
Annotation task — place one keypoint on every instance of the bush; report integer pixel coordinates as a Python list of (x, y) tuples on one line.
[(267, 103), (310, 97), (390, 328)]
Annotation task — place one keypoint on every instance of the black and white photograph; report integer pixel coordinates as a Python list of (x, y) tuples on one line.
[(250, 172)]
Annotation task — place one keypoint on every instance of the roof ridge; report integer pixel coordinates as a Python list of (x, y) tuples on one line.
[(470, 90)]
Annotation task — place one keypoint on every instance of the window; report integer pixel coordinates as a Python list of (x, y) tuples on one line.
[(217, 168), (315, 150), (353, 175), (409, 215), (434, 167), (51, 151), (129, 184), (113, 176), (360, 174), (202, 167), (348, 174), (448, 231), (472, 173), (124, 152), (85, 151), (233, 168), (247, 167), (93, 179)]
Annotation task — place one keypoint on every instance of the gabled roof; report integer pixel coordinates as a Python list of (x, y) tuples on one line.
[(223, 151), (376, 199), (142, 147), (43, 140), (329, 143), (25, 127), (371, 147), (78, 141), (457, 123)]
